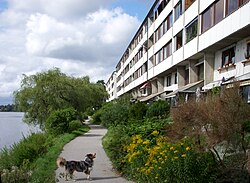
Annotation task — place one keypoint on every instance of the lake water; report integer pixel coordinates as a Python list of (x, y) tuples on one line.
[(12, 129)]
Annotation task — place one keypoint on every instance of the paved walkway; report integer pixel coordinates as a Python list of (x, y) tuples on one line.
[(90, 142)]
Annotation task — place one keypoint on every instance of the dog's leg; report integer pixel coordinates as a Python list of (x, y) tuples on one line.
[(88, 176), (66, 176)]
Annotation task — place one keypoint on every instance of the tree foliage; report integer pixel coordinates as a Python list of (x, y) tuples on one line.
[(45, 92), (58, 122)]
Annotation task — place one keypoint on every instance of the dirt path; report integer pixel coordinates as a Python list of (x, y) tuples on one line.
[(90, 142)]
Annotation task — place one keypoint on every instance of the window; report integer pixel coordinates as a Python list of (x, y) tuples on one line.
[(215, 13), (169, 80), (156, 35), (156, 58), (178, 10), (186, 76), (165, 25), (207, 19), (246, 93), (170, 20), (175, 78), (160, 7), (191, 30), (188, 3), (144, 68), (150, 41), (247, 54), (228, 56), (200, 72), (218, 11), (178, 41), (231, 5), (167, 50), (160, 56), (241, 2)]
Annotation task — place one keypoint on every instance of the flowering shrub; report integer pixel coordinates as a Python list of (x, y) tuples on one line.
[(20, 175), (156, 158)]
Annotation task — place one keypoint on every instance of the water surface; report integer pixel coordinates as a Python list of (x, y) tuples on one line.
[(13, 129)]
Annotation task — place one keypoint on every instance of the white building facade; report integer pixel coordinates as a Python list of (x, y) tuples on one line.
[(183, 45)]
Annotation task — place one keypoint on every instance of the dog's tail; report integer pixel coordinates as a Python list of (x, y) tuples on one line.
[(61, 162)]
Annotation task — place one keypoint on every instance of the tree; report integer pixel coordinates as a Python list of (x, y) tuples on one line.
[(45, 92)]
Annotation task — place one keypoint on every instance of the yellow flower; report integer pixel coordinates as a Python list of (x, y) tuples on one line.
[(175, 151), (188, 148), (155, 133), (139, 141), (146, 142), (183, 155), (171, 148)]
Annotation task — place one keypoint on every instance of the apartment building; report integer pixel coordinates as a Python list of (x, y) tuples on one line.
[(111, 87), (185, 47)]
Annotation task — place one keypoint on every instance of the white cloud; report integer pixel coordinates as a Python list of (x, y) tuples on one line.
[(81, 37), (88, 40), (65, 9)]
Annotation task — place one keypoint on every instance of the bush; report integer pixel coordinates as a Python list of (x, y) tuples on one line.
[(58, 122), (159, 108), (219, 124), (113, 143), (155, 158), (111, 114), (96, 117), (15, 174), (137, 111), (116, 114), (75, 125), (27, 149), (119, 136)]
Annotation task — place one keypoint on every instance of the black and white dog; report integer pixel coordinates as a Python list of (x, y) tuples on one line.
[(80, 166)]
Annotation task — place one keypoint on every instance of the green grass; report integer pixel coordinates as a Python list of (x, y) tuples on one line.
[(36, 154), (45, 166)]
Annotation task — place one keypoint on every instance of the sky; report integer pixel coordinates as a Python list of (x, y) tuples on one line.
[(80, 37)]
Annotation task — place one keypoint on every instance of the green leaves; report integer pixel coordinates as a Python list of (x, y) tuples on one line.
[(45, 92)]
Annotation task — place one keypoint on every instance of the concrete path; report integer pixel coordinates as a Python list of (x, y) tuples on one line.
[(90, 142)]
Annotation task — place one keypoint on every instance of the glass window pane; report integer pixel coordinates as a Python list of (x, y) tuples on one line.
[(191, 31), (188, 3), (165, 52), (206, 20), (178, 10), (170, 20), (228, 56), (231, 6), (178, 41), (219, 10)]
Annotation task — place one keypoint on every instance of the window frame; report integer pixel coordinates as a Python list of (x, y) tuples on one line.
[(215, 12), (230, 53), (176, 38), (169, 80), (192, 25), (178, 13)]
